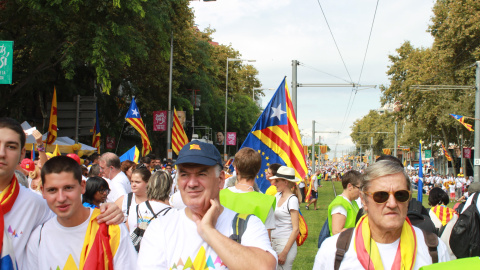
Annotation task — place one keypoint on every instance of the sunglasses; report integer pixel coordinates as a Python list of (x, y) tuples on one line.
[(104, 191), (382, 196)]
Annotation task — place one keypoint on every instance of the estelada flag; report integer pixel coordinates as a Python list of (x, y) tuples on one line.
[(445, 153), (461, 119), (135, 119), (276, 137), (179, 137), (52, 126)]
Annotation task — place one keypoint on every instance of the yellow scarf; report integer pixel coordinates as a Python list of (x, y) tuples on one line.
[(367, 250)]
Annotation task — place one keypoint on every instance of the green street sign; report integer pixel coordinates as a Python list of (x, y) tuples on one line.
[(428, 153), (6, 62)]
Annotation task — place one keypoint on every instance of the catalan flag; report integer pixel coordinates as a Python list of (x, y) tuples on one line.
[(443, 213), (276, 137), (52, 126), (56, 152), (96, 132), (461, 119), (135, 119), (179, 138), (445, 152)]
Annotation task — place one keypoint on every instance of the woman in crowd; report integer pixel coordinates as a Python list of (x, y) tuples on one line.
[(96, 192), (443, 218), (271, 171), (158, 189), (138, 195), (342, 211), (127, 168), (286, 217)]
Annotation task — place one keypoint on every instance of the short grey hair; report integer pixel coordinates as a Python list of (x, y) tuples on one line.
[(159, 186), (380, 169), (218, 170)]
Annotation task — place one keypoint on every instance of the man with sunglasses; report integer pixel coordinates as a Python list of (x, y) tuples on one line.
[(384, 238)]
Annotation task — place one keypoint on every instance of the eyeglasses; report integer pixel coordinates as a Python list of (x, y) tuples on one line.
[(382, 196), (105, 191), (355, 186)]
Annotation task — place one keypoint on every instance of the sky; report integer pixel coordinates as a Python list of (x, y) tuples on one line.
[(275, 32)]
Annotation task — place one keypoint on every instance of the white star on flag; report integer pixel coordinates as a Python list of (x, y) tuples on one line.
[(135, 112), (277, 112)]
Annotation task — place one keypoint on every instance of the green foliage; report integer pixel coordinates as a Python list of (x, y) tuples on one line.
[(363, 129), (424, 114), (120, 49)]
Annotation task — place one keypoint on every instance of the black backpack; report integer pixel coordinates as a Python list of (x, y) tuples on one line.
[(419, 216), (465, 237)]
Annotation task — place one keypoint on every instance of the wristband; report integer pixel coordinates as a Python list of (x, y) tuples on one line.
[(41, 148)]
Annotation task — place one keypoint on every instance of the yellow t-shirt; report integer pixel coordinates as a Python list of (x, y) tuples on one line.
[(272, 190)]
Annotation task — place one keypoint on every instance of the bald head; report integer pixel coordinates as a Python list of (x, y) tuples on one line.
[(111, 159)]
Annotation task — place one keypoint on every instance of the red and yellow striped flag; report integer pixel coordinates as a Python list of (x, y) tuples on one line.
[(100, 244), (52, 126), (179, 138), (449, 158), (443, 213), (135, 119)]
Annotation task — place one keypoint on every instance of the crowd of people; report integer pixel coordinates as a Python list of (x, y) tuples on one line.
[(189, 214)]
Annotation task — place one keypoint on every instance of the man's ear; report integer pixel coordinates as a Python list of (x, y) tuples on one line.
[(222, 179), (22, 155)]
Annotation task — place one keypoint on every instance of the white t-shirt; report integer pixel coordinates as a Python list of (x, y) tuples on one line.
[(452, 188), (28, 211), (144, 214), (132, 216), (270, 221), (172, 241), (57, 247), (340, 209), (176, 201), (122, 178), (116, 190), (325, 258), (283, 219)]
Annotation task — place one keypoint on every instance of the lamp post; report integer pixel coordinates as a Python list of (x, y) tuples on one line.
[(226, 101)]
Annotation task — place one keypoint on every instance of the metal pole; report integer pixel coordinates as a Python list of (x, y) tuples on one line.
[(313, 146), (476, 156), (396, 137), (294, 86), (226, 100), (461, 156), (169, 116), (319, 152)]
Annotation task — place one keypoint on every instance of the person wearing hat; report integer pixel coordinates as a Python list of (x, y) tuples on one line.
[(286, 217), (241, 198), (198, 236)]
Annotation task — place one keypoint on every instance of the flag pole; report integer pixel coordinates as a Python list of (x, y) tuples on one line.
[(120, 137)]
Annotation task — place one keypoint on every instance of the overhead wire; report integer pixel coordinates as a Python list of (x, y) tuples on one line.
[(333, 37)]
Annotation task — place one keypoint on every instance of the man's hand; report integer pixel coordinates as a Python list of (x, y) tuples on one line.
[(38, 137), (209, 220), (110, 214)]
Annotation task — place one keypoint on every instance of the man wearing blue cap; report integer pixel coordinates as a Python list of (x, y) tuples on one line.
[(198, 236)]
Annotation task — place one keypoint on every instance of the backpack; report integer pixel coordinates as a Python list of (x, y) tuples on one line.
[(465, 236), (239, 225), (129, 201), (419, 216), (137, 234), (324, 233), (302, 225), (345, 237)]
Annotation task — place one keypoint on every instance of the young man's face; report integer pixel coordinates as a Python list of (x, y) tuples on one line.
[(11, 153), (63, 195)]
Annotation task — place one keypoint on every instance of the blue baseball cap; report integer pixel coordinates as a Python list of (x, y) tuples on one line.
[(198, 152)]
